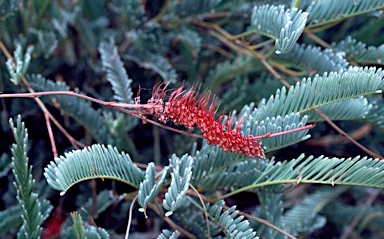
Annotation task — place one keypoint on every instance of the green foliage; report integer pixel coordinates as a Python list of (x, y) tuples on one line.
[(21, 61), (327, 11), (276, 22), (232, 49), (231, 225), (165, 234), (94, 162), (358, 52), (116, 73), (33, 211)]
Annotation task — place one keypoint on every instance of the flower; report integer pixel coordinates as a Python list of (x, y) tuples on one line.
[(188, 109)]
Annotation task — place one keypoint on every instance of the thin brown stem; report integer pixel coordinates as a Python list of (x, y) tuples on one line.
[(317, 39), (205, 210), (38, 101), (265, 222), (369, 152), (50, 134)]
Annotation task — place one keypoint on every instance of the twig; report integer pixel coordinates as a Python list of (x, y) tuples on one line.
[(38, 101), (359, 216), (113, 105), (130, 216), (51, 138), (265, 222), (346, 135), (317, 39), (205, 210)]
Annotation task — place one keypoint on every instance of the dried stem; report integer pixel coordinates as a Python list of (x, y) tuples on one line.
[(205, 210), (40, 103), (369, 152)]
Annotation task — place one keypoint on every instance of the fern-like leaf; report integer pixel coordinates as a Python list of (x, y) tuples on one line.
[(312, 59), (228, 70), (149, 188), (155, 62), (22, 63), (321, 91), (90, 163), (32, 214), (328, 11), (46, 42), (116, 73), (78, 225), (165, 234), (323, 170), (231, 225), (181, 177), (303, 218), (277, 23), (358, 52)]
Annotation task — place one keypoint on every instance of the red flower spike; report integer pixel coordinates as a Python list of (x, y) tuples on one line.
[(185, 108)]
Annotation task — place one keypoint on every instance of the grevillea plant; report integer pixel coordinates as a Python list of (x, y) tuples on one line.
[(219, 147)]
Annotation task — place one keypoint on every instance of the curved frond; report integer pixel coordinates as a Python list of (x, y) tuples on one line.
[(283, 25), (323, 170), (116, 73), (311, 59), (92, 162), (238, 175), (303, 217), (358, 52), (155, 62), (191, 39), (165, 234), (79, 109), (329, 11), (229, 70), (231, 225), (320, 91), (181, 177), (149, 188)]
